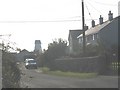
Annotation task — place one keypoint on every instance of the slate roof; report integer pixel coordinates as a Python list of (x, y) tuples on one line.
[(95, 29), (74, 33)]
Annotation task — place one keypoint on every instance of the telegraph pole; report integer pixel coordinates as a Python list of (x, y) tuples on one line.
[(83, 24)]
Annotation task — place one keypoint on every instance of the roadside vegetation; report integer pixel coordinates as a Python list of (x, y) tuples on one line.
[(59, 49), (46, 70), (56, 49), (10, 71)]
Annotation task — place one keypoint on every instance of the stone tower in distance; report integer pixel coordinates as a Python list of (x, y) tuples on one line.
[(38, 48)]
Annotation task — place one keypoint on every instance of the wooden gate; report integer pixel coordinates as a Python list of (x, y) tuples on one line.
[(112, 64)]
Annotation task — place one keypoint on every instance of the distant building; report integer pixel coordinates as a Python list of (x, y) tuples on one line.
[(38, 48), (22, 55), (73, 41)]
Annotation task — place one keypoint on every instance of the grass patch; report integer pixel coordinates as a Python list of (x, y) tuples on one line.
[(73, 74), (44, 69), (69, 74)]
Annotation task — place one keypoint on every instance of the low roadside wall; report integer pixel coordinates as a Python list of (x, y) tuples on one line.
[(87, 64)]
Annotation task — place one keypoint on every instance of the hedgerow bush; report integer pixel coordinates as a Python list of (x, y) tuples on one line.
[(10, 71)]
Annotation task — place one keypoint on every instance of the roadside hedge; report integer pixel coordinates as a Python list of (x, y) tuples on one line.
[(10, 71)]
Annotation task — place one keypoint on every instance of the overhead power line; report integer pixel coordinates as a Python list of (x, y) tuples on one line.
[(41, 21), (74, 17), (38, 21), (88, 11), (107, 4), (94, 8)]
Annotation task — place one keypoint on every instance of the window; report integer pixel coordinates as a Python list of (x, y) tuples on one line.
[(90, 37), (86, 39), (80, 39), (95, 36)]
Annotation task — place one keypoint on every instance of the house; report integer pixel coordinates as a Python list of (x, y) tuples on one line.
[(25, 54), (73, 41), (105, 32)]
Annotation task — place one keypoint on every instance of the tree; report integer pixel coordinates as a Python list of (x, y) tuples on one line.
[(92, 49), (18, 49), (55, 50), (10, 70), (8, 47)]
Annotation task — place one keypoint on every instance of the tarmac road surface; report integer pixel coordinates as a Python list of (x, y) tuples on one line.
[(35, 79)]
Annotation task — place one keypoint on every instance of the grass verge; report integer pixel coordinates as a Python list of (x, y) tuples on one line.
[(46, 70)]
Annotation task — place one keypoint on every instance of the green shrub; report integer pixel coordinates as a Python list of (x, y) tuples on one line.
[(45, 69), (73, 74), (10, 71), (69, 74)]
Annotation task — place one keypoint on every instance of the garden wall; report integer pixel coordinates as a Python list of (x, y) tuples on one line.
[(86, 64)]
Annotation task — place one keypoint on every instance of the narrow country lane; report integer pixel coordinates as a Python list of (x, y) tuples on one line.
[(35, 79)]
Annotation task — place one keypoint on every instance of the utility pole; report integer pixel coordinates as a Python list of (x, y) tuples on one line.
[(83, 25)]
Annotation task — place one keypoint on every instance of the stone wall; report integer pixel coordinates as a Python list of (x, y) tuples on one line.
[(87, 64)]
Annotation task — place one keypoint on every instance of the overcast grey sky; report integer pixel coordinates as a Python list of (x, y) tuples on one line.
[(30, 20)]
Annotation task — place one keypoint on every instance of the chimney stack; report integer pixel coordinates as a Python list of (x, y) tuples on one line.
[(85, 27), (110, 16), (100, 20), (93, 23)]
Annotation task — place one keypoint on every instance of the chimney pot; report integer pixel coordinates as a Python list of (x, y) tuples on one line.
[(101, 20), (93, 23), (110, 16), (86, 27)]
